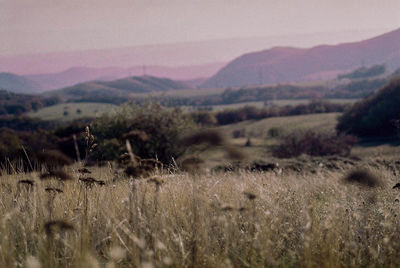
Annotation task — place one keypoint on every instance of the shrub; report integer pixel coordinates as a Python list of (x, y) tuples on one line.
[(274, 132), (163, 126), (314, 144), (239, 133), (204, 118)]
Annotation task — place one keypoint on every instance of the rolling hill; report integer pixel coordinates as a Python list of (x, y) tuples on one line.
[(287, 64), (116, 91), (18, 84), (375, 116), (75, 75)]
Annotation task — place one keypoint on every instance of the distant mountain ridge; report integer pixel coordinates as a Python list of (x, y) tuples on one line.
[(287, 64), (116, 91), (18, 84), (75, 75)]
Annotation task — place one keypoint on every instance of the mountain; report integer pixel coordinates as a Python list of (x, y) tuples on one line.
[(76, 75), (18, 84), (287, 64), (177, 54), (116, 91)]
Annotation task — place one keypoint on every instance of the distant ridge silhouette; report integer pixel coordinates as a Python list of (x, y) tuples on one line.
[(287, 64)]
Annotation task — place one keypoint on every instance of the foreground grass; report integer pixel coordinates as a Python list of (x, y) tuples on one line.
[(210, 220)]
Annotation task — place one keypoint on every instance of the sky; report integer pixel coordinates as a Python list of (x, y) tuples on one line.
[(39, 26)]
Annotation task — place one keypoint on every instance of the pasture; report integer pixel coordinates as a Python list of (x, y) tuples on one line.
[(71, 111), (176, 219)]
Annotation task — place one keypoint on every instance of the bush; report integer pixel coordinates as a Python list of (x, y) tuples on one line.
[(239, 133), (314, 144), (204, 118), (274, 132), (163, 127)]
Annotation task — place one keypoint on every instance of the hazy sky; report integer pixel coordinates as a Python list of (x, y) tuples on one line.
[(28, 26)]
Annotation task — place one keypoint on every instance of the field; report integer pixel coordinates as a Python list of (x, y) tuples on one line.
[(260, 104), (177, 219), (304, 212), (287, 124), (71, 111)]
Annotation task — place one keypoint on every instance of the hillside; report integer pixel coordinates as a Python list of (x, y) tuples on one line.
[(18, 84), (75, 75), (116, 91), (17, 103), (286, 64), (376, 116)]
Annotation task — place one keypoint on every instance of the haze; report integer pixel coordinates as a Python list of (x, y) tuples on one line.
[(41, 26)]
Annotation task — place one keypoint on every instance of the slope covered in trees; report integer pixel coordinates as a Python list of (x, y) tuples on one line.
[(375, 116)]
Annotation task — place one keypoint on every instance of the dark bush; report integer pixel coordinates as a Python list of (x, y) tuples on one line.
[(163, 126), (204, 118), (239, 133), (314, 144), (274, 132)]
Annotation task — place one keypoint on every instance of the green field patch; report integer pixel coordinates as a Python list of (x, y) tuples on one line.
[(72, 111)]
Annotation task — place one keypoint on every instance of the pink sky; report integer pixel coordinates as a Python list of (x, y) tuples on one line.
[(32, 26)]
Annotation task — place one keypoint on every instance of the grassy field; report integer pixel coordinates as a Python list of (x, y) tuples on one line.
[(260, 104), (325, 122), (200, 220), (306, 212), (184, 92), (69, 111)]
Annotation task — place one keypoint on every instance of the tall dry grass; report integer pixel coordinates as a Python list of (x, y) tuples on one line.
[(237, 219)]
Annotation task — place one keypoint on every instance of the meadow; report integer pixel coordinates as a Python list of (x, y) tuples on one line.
[(71, 111), (332, 211), (280, 103), (203, 219)]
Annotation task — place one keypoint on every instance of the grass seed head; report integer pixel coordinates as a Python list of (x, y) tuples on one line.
[(27, 182), (250, 195), (32, 262), (61, 225), (91, 181), (227, 207), (53, 190), (156, 180), (53, 158), (84, 171), (58, 174), (117, 253), (362, 178), (397, 186)]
